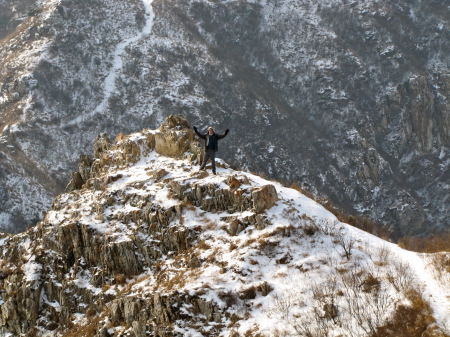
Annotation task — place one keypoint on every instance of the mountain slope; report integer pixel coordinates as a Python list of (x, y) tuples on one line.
[(149, 245), (357, 91)]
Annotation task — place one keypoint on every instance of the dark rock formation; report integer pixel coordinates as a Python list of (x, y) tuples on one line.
[(349, 100)]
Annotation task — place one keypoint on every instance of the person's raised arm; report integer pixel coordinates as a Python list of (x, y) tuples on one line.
[(223, 135), (198, 133)]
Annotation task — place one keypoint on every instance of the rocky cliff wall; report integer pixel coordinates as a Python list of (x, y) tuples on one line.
[(355, 91)]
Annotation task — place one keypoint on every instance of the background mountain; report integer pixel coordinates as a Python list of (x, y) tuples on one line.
[(347, 99), (145, 244)]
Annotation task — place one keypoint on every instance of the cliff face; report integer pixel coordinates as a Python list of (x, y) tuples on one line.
[(142, 243), (357, 91)]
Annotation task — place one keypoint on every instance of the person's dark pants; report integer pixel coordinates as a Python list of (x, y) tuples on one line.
[(209, 154)]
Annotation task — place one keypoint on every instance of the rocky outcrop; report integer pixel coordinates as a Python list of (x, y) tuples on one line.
[(66, 264), (150, 245), (174, 138)]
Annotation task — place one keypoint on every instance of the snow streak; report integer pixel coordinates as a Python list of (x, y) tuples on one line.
[(110, 80)]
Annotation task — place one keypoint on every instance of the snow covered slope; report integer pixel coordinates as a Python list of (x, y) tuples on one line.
[(149, 245)]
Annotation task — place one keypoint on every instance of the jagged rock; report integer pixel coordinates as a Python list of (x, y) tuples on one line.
[(6, 130), (101, 144), (158, 174), (84, 167), (139, 329), (76, 183), (150, 140), (174, 122), (175, 136), (236, 181), (129, 251), (235, 227), (264, 198), (130, 151)]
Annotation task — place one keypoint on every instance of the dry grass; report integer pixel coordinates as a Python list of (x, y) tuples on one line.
[(441, 263), (88, 330), (120, 279), (232, 247), (203, 245), (310, 229), (179, 279), (409, 321)]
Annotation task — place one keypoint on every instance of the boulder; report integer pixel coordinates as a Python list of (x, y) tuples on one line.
[(264, 198), (174, 122), (174, 137)]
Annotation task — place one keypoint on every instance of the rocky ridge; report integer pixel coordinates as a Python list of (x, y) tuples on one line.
[(144, 244)]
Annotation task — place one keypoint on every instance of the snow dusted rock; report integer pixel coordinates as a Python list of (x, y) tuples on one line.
[(101, 144), (264, 198), (158, 174), (175, 136), (148, 243), (84, 167)]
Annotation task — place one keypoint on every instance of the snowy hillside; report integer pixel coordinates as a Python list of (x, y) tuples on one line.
[(357, 91), (151, 246)]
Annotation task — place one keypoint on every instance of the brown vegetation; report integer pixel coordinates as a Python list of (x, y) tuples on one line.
[(408, 321), (439, 242)]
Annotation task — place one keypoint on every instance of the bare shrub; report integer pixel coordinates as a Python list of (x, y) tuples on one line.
[(440, 262), (347, 244), (371, 283), (384, 255), (367, 301), (281, 307), (312, 324), (400, 276), (332, 228), (325, 293), (408, 321), (310, 229), (368, 310)]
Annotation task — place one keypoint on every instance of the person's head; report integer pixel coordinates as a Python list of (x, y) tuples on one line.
[(210, 130)]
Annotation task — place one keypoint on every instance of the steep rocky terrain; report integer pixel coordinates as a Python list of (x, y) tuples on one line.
[(144, 244), (347, 99)]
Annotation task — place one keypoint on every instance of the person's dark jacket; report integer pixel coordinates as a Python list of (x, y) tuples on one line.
[(211, 138)]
